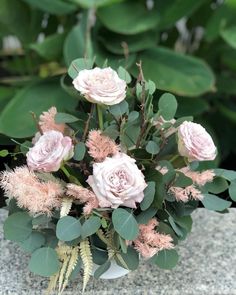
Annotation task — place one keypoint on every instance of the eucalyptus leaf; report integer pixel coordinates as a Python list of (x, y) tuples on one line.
[(68, 228), (65, 118), (232, 190), (44, 262), (124, 75), (18, 226), (212, 202), (167, 106), (120, 109), (125, 224), (166, 259), (78, 65), (90, 226), (149, 194), (34, 241), (102, 269), (152, 147), (79, 151)]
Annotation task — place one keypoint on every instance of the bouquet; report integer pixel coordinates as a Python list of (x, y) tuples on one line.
[(111, 184)]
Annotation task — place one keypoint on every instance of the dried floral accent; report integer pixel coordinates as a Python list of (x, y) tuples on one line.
[(86, 256), (199, 178), (47, 121), (66, 205), (149, 242), (186, 194), (30, 192), (100, 146), (84, 195)]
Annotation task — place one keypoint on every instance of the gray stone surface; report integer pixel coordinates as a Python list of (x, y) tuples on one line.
[(207, 265)]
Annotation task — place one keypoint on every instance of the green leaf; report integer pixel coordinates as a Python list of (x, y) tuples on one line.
[(227, 174), (164, 228), (131, 259), (90, 226), (57, 7), (124, 75), (125, 224), (78, 65), (94, 3), (99, 256), (18, 227), (171, 71), (175, 227), (79, 152), (212, 202), (123, 244), (149, 194), (4, 153), (182, 180), (166, 259), (228, 34), (171, 11), (133, 116), (65, 118), (152, 147), (117, 43), (44, 262), (118, 110), (51, 47), (167, 106), (217, 186), (41, 219), (36, 98), (185, 222), (68, 228), (191, 106), (101, 269), (128, 17), (146, 215), (232, 190), (75, 43), (34, 241)]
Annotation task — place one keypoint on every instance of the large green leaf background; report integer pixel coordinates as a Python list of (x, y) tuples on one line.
[(200, 71)]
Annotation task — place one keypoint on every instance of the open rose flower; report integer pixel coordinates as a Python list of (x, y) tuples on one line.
[(117, 181), (49, 151), (102, 86), (195, 143)]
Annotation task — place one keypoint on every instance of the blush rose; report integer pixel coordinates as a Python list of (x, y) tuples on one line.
[(195, 143), (102, 86), (117, 181), (49, 151)]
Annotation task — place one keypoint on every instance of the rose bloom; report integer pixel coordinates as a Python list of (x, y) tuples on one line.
[(195, 142), (117, 181), (49, 151), (102, 86)]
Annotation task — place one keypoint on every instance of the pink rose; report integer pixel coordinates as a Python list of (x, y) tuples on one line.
[(117, 181), (195, 143), (102, 86), (49, 151)]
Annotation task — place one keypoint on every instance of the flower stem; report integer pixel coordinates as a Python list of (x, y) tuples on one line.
[(66, 172), (173, 158), (100, 117)]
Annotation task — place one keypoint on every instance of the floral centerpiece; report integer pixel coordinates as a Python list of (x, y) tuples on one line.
[(115, 183)]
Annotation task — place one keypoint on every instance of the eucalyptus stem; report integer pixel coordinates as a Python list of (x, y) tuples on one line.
[(100, 117), (173, 158)]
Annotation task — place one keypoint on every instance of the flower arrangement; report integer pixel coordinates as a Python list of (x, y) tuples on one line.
[(113, 184)]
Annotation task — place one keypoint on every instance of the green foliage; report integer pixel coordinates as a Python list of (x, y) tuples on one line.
[(118, 110), (34, 241), (3, 153), (44, 262), (36, 98), (166, 259), (152, 147), (131, 259), (149, 194), (65, 118), (79, 151), (90, 226), (101, 269), (18, 227), (125, 224), (68, 228), (167, 106), (232, 190), (212, 202)]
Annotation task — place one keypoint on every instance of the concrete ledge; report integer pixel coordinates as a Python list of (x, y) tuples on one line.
[(207, 265)]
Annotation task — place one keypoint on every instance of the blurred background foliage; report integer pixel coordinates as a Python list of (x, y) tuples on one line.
[(187, 47)]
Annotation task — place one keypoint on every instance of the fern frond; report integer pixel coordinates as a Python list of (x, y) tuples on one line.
[(65, 207), (70, 267), (52, 283), (63, 272), (87, 260), (103, 238)]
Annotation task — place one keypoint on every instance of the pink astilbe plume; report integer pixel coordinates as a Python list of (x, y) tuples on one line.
[(30, 192), (47, 121), (199, 178), (149, 242), (84, 196), (186, 194), (100, 146)]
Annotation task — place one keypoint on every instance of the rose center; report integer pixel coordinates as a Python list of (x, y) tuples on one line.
[(119, 179)]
